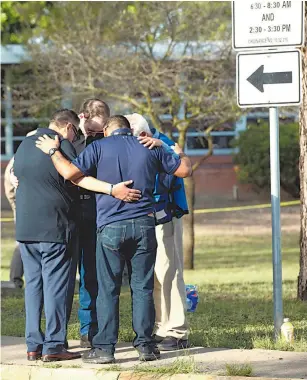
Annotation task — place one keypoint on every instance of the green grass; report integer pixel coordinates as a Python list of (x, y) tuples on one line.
[(111, 367), (239, 370), (234, 277), (53, 365), (176, 367)]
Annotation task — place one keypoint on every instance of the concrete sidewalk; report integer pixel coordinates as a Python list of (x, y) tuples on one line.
[(211, 361)]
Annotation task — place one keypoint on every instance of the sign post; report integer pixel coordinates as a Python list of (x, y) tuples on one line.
[(270, 78), (276, 231)]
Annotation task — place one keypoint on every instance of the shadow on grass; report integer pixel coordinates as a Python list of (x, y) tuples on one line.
[(220, 252), (241, 260), (175, 354), (228, 315), (5, 266)]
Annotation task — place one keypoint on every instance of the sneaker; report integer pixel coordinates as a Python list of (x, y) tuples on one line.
[(98, 356), (156, 351), (84, 342), (157, 338), (148, 352), (170, 344)]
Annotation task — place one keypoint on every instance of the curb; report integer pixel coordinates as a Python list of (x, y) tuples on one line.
[(24, 372)]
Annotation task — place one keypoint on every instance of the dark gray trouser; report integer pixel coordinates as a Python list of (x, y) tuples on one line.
[(47, 269), (133, 240), (88, 288), (16, 270), (84, 255)]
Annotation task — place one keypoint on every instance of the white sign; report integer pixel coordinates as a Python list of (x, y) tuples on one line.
[(266, 79), (265, 24)]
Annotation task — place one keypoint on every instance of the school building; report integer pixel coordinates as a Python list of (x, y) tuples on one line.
[(215, 179)]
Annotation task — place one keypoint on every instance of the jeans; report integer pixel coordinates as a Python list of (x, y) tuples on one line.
[(133, 240), (47, 269)]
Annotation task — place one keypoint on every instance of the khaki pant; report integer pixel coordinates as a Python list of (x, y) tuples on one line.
[(169, 290)]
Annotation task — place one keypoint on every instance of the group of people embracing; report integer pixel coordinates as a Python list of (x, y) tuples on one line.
[(101, 192)]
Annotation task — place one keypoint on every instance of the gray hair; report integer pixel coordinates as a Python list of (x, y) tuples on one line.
[(139, 124)]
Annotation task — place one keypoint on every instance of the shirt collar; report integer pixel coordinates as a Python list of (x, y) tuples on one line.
[(155, 133), (46, 131), (122, 131)]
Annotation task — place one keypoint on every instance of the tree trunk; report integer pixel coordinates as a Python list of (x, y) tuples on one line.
[(188, 225), (302, 278)]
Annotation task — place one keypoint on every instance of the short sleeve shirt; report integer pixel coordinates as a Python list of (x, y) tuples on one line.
[(46, 204), (119, 158)]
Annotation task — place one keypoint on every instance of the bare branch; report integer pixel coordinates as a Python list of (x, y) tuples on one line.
[(210, 149)]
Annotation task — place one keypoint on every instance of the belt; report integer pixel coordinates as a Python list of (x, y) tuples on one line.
[(85, 196)]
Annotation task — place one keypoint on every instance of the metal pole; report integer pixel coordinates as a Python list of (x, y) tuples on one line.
[(66, 101), (9, 149), (276, 233)]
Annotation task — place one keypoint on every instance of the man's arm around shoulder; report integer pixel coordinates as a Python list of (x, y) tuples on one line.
[(185, 167), (71, 172)]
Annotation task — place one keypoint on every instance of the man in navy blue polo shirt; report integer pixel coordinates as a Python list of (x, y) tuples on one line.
[(126, 231)]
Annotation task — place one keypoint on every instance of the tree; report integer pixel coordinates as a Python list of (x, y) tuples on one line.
[(154, 58), (19, 19), (302, 278), (253, 159)]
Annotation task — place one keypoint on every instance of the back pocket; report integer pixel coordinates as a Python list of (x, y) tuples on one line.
[(113, 237)]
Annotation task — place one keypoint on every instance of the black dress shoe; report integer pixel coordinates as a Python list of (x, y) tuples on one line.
[(84, 342), (170, 344), (34, 355), (63, 355), (98, 356), (148, 352)]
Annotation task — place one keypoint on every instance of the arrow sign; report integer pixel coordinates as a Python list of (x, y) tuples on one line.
[(259, 78), (279, 70)]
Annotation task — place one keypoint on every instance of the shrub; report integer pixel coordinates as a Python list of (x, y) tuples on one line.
[(253, 158)]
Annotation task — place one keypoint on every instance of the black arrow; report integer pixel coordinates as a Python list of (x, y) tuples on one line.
[(259, 78)]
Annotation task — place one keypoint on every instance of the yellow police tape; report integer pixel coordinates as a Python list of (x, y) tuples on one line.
[(214, 210), (239, 208)]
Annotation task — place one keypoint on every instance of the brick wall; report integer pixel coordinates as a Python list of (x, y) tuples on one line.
[(214, 181)]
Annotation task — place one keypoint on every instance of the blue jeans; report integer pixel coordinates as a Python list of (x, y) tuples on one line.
[(133, 240), (47, 269)]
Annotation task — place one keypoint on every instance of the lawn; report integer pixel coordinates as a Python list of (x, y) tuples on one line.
[(234, 276)]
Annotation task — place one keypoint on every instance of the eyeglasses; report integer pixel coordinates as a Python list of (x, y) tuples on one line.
[(76, 132)]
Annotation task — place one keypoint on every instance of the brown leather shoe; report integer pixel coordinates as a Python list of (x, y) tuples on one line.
[(63, 355), (34, 355)]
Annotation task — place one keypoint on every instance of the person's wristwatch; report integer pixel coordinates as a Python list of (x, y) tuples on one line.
[(52, 151), (111, 190)]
